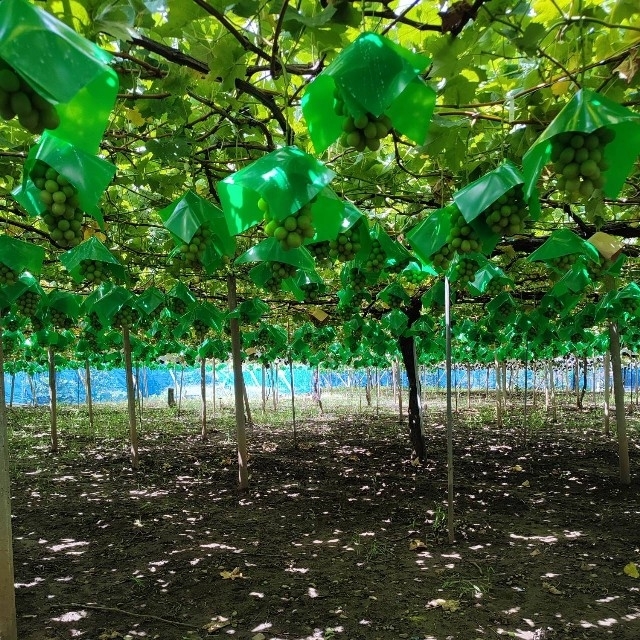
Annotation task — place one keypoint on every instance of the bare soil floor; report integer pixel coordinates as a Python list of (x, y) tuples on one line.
[(339, 537)]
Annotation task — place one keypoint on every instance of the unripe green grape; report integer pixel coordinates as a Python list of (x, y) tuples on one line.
[(27, 303), (125, 317), (578, 161), (563, 263), (60, 319), (200, 328), (7, 274)]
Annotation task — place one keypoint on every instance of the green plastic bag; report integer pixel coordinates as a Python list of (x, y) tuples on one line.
[(63, 67), (373, 75), (269, 250), (20, 256), (286, 179), (564, 242), (179, 299), (88, 174), (394, 295), (249, 311), (395, 322), (92, 249), (430, 235), (487, 276), (108, 301), (190, 214), (586, 112), (306, 286), (151, 301), (25, 282)]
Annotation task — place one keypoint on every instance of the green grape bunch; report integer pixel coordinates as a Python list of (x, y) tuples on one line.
[(62, 216), (394, 301), (564, 263), (578, 161), (630, 306), (192, 253), (507, 214), (376, 258), (363, 131), (346, 245), (463, 272), (93, 321), (312, 291), (7, 275), (177, 306), (494, 288), (18, 98), (60, 319), (462, 238), (357, 279), (93, 271), (200, 328), (596, 271), (293, 230), (320, 251), (125, 317), (279, 271), (414, 277), (27, 303)]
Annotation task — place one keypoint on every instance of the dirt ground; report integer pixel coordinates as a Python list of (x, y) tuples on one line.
[(341, 537)]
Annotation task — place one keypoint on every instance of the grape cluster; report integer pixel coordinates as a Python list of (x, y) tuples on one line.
[(630, 306), (125, 317), (293, 230), (494, 288), (62, 216), (578, 160), (93, 271), (60, 319), (357, 279), (596, 270), (507, 214), (37, 323), (394, 301), (345, 246), (320, 251), (376, 258), (27, 303), (177, 306), (312, 291), (414, 277), (93, 321), (279, 271), (364, 131), (462, 238), (192, 253), (18, 98), (463, 272), (564, 263), (7, 274), (200, 328), (11, 323)]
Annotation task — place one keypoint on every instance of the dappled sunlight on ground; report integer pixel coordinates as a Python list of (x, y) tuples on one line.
[(340, 538)]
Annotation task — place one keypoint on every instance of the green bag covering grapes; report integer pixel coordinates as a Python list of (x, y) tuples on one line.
[(278, 184), (249, 311), (17, 256), (63, 308), (269, 250), (200, 229), (375, 80), (179, 299), (608, 134), (562, 249), (63, 68), (87, 174), (489, 280), (395, 322), (109, 301), (26, 294), (499, 197), (92, 262), (306, 286), (151, 301), (394, 296)]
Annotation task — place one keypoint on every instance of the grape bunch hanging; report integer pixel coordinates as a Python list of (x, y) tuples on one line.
[(60, 319), (414, 276), (346, 245), (126, 317), (376, 258), (463, 272), (93, 271), (62, 215), (462, 238), (7, 275), (18, 98), (564, 263), (597, 270), (494, 288), (357, 279), (364, 131), (312, 291), (630, 306), (293, 230), (279, 271), (578, 161), (177, 306), (200, 328), (192, 253), (27, 303), (507, 214), (394, 301), (320, 251)]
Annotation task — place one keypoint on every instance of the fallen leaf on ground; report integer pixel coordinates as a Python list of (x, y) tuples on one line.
[(516, 467), (417, 545), (535, 552), (216, 624), (547, 586), (525, 484), (231, 575), (445, 605), (631, 570)]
